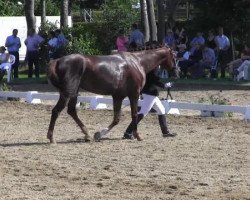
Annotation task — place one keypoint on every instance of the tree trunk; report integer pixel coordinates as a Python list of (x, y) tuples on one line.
[(161, 21), (144, 15), (29, 14), (171, 11), (64, 13), (43, 12), (152, 23)]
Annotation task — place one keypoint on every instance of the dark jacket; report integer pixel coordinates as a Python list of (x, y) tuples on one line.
[(152, 84)]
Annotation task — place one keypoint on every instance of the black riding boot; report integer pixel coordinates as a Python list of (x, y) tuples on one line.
[(128, 133), (164, 128)]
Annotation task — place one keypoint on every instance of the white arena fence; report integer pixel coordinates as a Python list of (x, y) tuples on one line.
[(100, 102)]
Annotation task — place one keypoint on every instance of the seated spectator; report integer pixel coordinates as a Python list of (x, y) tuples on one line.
[(222, 48), (197, 40), (170, 39), (121, 41), (183, 38), (193, 59), (245, 55), (4, 56), (208, 60), (211, 39), (239, 72)]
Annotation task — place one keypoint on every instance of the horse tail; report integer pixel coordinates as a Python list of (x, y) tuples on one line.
[(53, 73)]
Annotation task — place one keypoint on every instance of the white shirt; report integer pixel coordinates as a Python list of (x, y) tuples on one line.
[(222, 41)]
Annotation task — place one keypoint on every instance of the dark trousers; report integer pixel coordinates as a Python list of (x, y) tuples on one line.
[(223, 59), (16, 64), (33, 59)]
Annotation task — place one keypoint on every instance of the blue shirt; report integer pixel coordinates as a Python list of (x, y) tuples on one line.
[(222, 42), (137, 37), (33, 42), (13, 43), (197, 40), (208, 55)]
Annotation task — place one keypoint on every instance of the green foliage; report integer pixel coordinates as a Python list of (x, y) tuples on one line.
[(52, 8), (117, 15), (11, 8), (84, 44)]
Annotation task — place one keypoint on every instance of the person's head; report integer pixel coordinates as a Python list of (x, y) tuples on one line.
[(220, 30), (14, 32), (134, 26), (169, 32), (31, 31), (199, 33), (2, 49), (58, 32), (52, 34), (211, 32), (182, 47)]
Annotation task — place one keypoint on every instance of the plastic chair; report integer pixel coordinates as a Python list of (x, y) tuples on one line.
[(8, 67)]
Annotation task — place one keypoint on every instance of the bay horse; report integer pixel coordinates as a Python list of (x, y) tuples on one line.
[(119, 75)]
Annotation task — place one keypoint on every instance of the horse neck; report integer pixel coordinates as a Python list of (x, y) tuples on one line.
[(152, 59)]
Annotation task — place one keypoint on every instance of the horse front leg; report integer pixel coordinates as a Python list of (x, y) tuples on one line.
[(55, 113), (134, 116), (72, 112), (117, 104)]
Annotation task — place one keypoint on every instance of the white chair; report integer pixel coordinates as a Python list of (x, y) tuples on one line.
[(8, 67)]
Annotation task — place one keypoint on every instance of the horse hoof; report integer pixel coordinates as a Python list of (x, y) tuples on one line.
[(97, 136), (139, 138), (87, 139), (52, 142)]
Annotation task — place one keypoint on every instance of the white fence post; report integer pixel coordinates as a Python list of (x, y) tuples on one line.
[(29, 98), (247, 113), (94, 103)]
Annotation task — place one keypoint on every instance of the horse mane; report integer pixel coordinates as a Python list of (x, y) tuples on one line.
[(148, 46)]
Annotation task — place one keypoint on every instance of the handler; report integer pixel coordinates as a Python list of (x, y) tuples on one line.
[(150, 95)]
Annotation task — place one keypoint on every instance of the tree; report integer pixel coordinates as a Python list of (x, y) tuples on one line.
[(43, 12), (151, 20), (64, 13), (29, 13), (171, 7), (161, 21), (144, 17)]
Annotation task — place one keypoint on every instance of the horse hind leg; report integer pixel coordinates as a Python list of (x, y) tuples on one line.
[(55, 113), (117, 104), (72, 112)]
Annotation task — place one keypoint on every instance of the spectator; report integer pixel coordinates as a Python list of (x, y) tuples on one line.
[(136, 39), (13, 44), (4, 57), (170, 39), (245, 55), (33, 43), (207, 61), (52, 45), (62, 42), (211, 39), (197, 40), (191, 62), (121, 41), (222, 48), (183, 38), (239, 72)]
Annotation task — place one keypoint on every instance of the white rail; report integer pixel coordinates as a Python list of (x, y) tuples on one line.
[(100, 102)]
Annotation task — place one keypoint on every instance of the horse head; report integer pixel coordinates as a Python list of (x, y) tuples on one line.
[(169, 61)]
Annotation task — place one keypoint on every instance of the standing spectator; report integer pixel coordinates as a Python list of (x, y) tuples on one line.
[(13, 44), (121, 41), (222, 48), (211, 39), (183, 38), (62, 42), (170, 39), (197, 40), (52, 45), (33, 43), (136, 39)]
